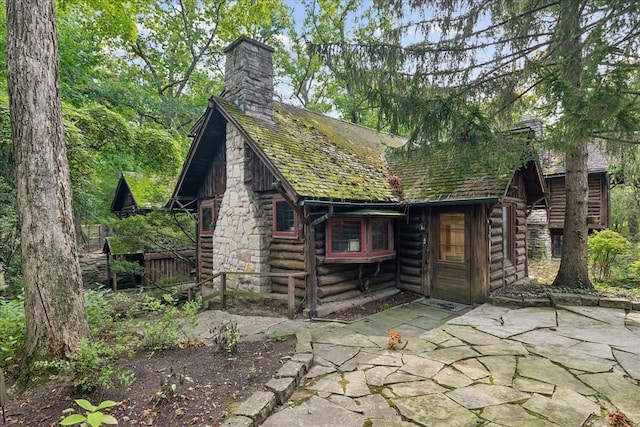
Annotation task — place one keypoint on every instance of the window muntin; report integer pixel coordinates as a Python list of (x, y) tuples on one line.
[(451, 237), (346, 237), (359, 237), (284, 219), (206, 219)]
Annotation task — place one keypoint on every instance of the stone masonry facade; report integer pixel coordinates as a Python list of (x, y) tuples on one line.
[(240, 242)]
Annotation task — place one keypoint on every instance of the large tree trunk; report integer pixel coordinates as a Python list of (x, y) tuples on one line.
[(573, 270), (54, 305)]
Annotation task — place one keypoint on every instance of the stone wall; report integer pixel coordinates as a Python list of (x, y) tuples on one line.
[(240, 238), (538, 235)]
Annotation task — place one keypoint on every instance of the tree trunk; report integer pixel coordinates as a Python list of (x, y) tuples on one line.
[(54, 305), (573, 271)]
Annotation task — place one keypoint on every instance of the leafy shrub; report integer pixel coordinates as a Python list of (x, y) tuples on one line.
[(91, 366), (605, 249), (168, 322), (226, 337), (12, 331)]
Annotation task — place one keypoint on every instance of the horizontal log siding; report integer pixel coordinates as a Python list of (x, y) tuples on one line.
[(339, 282), (411, 258), (502, 271), (598, 202), (286, 255)]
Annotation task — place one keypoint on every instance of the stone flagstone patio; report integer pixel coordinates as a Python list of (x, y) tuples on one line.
[(493, 366)]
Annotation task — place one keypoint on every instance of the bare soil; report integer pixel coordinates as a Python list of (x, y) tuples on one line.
[(193, 386), (178, 387)]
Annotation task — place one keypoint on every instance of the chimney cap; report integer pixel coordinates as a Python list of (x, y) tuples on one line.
[(248, 40)]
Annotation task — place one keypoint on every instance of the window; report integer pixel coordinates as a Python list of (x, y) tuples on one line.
[(508, 232), (359, 238), (346, 237), (451, 237), (206, 219), (380, 236), (284, 219)]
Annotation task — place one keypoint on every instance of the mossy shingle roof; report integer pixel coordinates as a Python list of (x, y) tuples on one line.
[(148, 191), (319, 156), (435, 178)]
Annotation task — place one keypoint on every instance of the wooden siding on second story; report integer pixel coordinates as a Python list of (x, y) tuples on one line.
[(215, 182), (598, 204), (261, 178)]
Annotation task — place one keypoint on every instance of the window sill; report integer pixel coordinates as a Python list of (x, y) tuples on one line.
[(357, 260)]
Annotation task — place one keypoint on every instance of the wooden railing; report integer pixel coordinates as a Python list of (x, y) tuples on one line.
[(291, 297)]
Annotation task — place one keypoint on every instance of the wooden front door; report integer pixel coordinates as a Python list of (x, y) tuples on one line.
[(451, 252)]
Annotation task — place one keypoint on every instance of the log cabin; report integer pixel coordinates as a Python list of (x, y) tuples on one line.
[(279, 189), (547, 240), (138, 194)]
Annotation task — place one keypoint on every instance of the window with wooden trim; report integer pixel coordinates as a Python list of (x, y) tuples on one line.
[(359, 238), (284, 219), (380, 232), (206, 219), (451, 237), (509, 232)]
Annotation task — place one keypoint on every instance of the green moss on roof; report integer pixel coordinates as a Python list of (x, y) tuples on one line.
[(322, 157), (435, 177), (121, 245), (148, 192)]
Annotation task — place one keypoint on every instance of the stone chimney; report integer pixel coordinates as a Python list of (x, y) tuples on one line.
[(248, 77)]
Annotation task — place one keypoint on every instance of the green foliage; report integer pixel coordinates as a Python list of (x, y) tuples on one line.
[(158, 231), (605, 249), (168, 323), (226, 337), (12, 331), (94, 416), (92, 365)]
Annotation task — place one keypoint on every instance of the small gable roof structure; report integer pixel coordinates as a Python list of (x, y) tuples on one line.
[(137, 193)]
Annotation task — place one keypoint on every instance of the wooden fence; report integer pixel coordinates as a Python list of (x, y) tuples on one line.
[(291, 287)]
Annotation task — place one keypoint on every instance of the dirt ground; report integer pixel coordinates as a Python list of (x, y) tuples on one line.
[(194, 386)]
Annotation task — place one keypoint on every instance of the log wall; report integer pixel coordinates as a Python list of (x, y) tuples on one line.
[(598, 202), (501, 270), (286, 255), (340, 281), (412, 259)]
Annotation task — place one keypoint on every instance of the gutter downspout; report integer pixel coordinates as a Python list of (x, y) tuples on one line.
[(314, 279)]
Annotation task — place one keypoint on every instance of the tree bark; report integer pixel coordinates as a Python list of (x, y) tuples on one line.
[(54, 305), (573, 271)]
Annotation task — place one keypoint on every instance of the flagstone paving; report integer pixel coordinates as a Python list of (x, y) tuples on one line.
[(565, 366)]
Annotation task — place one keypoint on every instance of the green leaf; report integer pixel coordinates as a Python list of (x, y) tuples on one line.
[(73, 419), (85, 404), (95, 419), (108, 419), (107, 404)]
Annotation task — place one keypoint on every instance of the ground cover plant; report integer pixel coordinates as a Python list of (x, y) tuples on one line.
[(143, 357)]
